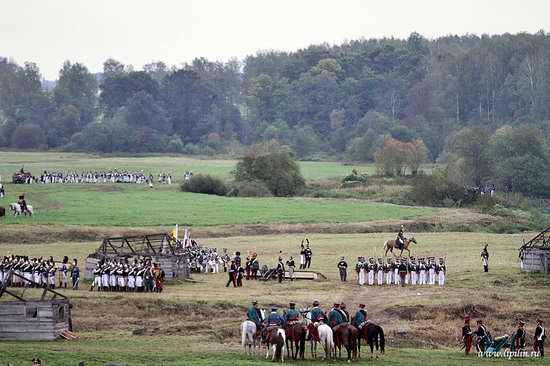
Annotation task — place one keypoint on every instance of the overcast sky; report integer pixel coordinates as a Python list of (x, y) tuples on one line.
[(137, 32)]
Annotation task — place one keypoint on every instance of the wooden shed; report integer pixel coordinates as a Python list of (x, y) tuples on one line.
[(160, 248), (535, 254), (37, 314)]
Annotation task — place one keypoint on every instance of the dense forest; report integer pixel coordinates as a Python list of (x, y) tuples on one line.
[(342, 101)]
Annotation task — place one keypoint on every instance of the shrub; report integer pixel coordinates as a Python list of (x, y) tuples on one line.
[(355, 177), (206, 184), (435, 189), (249, 189)]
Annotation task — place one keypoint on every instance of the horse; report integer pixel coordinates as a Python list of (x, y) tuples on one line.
[(296, 334), (16, 207), (276, 339), (374, 335), (321, 333), (2, 211), (249, 336), (390, 244), (346, 335)]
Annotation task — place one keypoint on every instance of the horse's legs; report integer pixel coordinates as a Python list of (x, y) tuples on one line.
[(407, 249)]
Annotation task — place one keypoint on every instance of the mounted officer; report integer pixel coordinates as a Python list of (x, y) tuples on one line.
[(360, 317), (254, 314), (292, 316), (335, 316), (273, 321), (400, 241), (316, 312)]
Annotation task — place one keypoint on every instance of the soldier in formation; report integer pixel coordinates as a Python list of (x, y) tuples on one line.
[(139, 275)]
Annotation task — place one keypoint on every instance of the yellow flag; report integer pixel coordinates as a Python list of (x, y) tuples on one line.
[(175, 232)]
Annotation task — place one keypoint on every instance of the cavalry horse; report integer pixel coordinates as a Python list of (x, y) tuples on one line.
[(16, 208), (296, 336), (374, 335), (275, 339), (2, 211), (321, 333), (390, 244), (346, 335), (249, 333)]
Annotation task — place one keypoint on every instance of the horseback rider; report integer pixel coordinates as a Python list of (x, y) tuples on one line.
[(360, 317), (22, 203), (345, 313), (400, 242), (273, 321), (335, 316), (254, 314), (292, 316), (316, 312)]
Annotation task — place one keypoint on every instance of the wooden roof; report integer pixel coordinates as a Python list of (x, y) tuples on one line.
[(26, 293), (145, 245), (541, 241)]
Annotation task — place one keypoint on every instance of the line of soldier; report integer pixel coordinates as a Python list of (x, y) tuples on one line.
[(482, 341), (399, 272), (38, 272), (141, 275), (335, 317), (48, 177)]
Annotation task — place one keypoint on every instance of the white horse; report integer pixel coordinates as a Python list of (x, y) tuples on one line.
[(277, 345), (327, 338), (248, 333), (16, 207)]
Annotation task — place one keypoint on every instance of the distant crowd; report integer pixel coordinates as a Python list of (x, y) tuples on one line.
[(113, 176)]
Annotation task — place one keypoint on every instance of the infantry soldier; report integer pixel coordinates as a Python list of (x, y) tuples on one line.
[(360, 269), (343, 269), (441, 272), (380, 275), (291, 267), (481, 334), (540, 336), (371, 268), (485, 258), (402, 268), (431, 271), (97, 278), (232, 273), (254, 314), (467, 336), (413, 268), (388, 268), (75, 274), (302, 255), (520, 337), (308, 254), (280, 270), (63, 273), (360, 317), (422, 269)]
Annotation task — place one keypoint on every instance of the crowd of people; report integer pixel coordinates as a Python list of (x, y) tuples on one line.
[(111, 176), (139, 275), (401, 271)]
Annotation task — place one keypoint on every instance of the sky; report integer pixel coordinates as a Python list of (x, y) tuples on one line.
[(137, 32)]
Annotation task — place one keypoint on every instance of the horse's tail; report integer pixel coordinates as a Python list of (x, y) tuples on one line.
[(382, 339), (279, 344), (385, 247)]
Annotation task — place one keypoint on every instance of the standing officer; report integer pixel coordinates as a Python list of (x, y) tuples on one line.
[(467, 336), (280, 270), (481, 334), (520, 337), (540, 336), (343, 268), (232, 274), (308, 254), (485, 258)]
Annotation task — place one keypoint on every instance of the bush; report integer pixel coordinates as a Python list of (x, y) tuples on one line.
[(435, 189), (249, 189), (355, 177), (205, 184)]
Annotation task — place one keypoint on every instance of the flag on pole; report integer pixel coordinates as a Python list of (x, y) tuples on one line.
[(175, 233), (186, 239)]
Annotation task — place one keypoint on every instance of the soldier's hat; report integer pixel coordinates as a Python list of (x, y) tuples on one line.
[(336, 304), (254, 302), (521, 322), (274, 308), (539, 320), (467, 318), (371, 259), (342, 306), (291, 303), (362, 305), (36, 360), (315, 303), (342, 258), (479, 321)]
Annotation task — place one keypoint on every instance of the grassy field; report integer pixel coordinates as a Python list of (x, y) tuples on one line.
[(200, 321), (36, 163)]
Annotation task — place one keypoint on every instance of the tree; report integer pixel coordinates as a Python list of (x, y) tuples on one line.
[(28, 136), (392, 158), (118, 89), (417, 153)]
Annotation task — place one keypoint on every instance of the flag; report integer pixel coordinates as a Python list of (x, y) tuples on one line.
[(175, 233), (186, 239)]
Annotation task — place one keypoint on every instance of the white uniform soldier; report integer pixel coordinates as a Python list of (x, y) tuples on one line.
[(441, 272), (431, 271), (371, 267), (413, 267), (105, 277), (112, 277), (360, 269), (97, 278), (396, 279), (380, 276), (422, 267), (407, 275), (389, 271)]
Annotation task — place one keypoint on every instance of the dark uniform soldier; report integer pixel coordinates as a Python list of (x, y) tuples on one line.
[(467, 336), (343, 267), (280, 270), (360, 317), (335, 316), (292, 316), (540, 336), (308, 254), (316, 312), (520, 337), (254, 314), (481, 334), (75, 274), (232, 274), (400, 241), (402, 268), (345, 313), (485, 258)]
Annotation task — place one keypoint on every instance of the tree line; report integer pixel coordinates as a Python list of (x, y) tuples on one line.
[(344, 101)]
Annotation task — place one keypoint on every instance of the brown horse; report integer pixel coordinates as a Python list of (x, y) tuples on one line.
[(372, 334), (2, 211), (346, 335), (274, 337), (390, 244), (296, 336)]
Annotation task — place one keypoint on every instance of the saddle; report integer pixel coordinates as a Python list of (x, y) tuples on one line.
[(363, 323), (292, 322), (268, 332)]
